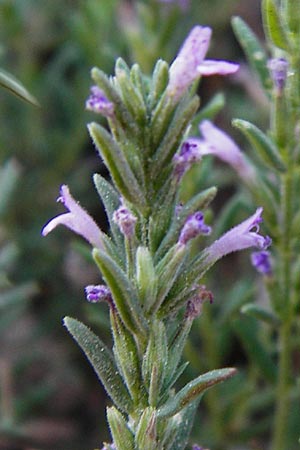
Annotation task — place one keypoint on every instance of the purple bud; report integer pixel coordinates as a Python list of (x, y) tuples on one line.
[(193, 226), (99, 103), (279, 69), (195, 304), (126, 221), (96, 293), (262, 263), (189, 153)]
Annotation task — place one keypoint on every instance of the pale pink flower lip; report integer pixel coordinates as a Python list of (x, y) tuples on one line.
[(240, 237), (190, 63), (77, 220), (216, 142)]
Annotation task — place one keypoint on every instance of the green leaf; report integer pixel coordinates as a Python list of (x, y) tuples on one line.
[(196, 203), (123, 117), (193, 390), (117, 164), (102, 361), (176, 349), (126, 356), (121, 434), (155, 361), (145, 277), (167, 271), (132, 98), (123, 293), (256, 311), (9, 82), (256, 55), (178, 436), (292, 14), (273, 26), (174, 134), (111, 201), (146, 436), (264, 146), (160, 79)]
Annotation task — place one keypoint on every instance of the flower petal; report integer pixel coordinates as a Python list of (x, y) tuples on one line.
[(217, 67), (77, 219), (183, 70)]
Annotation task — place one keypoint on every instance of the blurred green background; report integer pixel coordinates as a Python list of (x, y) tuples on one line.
[(50, 398)]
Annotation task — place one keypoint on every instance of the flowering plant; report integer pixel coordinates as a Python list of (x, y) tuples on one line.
[(152, 281)]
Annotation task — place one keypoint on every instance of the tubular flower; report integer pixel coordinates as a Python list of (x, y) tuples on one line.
[(240, 237), (98, 293), (190, 64), (126, 221), (193, 226), (99, 103), (279, 71), (261, 262), (77, 219), (215, 142), (189, 153)]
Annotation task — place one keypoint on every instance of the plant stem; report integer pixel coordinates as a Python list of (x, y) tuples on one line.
[(283, 401)]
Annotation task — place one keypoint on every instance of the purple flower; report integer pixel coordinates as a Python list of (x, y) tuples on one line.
[(240, 237), (215, 142), (193, 226), (189, 153), (190, 63), (99, 103), (261, 262), (77, 219), (279, 70), (126, 221), (98, 293)]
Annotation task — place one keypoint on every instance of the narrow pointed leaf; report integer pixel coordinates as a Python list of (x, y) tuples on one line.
[(176, 349), (123, 116), (193, 390), (121, 434), (254, 51), (131, 97), (256, 311), (180, 436), (145, 436), (111, 201), (167, 272), (264, 146), (273, 26), (145, 277), (160, 81), (173, 136), (117, 164), (102, 361), (198, 202), (16, 87), (123, 293), (126, 356)]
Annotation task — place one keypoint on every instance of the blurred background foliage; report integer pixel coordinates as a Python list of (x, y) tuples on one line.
[(50, 398)]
